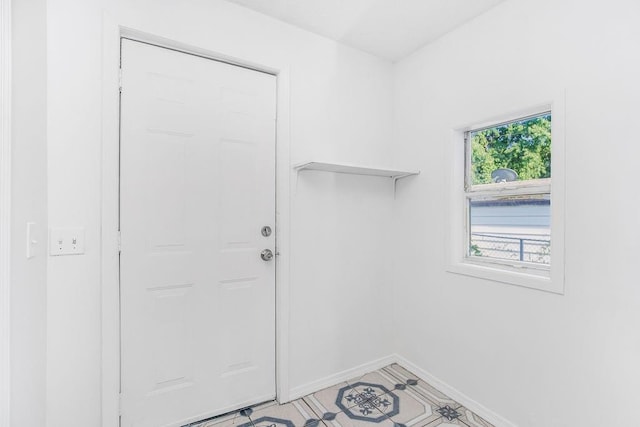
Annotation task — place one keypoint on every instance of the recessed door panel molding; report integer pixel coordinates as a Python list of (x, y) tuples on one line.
[(197, 185)]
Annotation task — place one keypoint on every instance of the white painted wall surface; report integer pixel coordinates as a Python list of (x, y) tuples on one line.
[(341, 109), (538, 359), (29, 204)]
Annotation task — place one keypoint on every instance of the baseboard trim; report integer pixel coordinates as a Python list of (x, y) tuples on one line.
[(331, 380), (454, 393)]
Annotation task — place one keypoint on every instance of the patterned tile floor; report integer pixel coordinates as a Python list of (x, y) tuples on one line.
[(389, 397)]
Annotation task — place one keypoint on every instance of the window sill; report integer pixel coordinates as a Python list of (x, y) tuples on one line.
[(533, 280)]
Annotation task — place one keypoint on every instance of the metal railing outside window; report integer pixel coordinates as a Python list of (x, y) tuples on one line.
[(527, 249)]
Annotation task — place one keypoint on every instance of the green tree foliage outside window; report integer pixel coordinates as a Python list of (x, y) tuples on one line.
[(524, 146)]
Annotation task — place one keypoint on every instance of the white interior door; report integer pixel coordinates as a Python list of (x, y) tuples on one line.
[(197, 184)]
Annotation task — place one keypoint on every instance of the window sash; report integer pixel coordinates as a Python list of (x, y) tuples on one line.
[(468, 166), (514, 188), (516, 119), (497, 194), (516, 266)]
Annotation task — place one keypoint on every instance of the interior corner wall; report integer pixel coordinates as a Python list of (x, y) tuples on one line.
[(28, 204), (341, 109), (535, 358)]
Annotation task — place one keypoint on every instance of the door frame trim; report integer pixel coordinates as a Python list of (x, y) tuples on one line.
[(113, 31), (5, 213)]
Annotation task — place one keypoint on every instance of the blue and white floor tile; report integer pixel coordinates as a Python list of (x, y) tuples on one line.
[(379, 380), (343, 406), (427, 390), (473, 420), (345, 419), (413, 409), (332, 400), (389, 397), (294, 414)]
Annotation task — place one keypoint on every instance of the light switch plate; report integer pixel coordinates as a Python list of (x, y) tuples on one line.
[(66, 241)]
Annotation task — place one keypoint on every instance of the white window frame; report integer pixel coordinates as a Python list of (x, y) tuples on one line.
[(543, 277)]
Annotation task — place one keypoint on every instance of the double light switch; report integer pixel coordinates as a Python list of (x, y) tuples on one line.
[(66, 241)]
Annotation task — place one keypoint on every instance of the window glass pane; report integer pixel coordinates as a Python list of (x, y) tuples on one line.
[(514, 228), (519, 150)]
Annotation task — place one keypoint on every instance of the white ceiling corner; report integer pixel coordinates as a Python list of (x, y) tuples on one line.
[(390, 29)]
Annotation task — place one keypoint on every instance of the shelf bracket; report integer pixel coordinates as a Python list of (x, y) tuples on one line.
[(398, 177)]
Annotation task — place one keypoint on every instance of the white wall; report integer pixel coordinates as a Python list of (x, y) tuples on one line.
[(536, 358), (28, 204), (341, 105)]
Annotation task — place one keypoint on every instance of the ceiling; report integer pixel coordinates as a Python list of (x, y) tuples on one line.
[(390, 29)]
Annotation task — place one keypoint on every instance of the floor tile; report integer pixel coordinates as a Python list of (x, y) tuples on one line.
[(450, 417), (444, 422), (332, 400), (351, 419), (420, 386), (471, 419), (412, 409), (378, 389), (343, 405), (294, 414), (381, 381), (372, 408)]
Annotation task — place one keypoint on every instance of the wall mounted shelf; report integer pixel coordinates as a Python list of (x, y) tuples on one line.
[(354, 170)]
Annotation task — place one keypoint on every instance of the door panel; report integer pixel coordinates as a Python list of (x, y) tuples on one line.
[(197, 179)]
